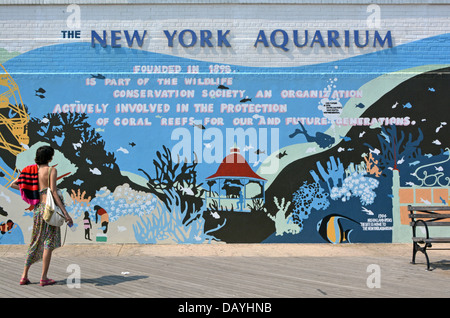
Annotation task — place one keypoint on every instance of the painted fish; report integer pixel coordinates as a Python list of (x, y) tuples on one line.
[(281, 154), (331, 229), (323, 140), (98, 76), (386, 137), (407, 105), (3, 212)]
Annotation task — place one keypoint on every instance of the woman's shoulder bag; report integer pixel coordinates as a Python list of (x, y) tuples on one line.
[(52, 213)]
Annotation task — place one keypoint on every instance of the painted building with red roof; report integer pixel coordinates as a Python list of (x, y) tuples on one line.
[(235, 185)]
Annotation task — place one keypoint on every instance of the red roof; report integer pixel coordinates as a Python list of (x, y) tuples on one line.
[(235, 166)]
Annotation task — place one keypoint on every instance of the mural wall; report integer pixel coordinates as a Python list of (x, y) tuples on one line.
[(172, 126)]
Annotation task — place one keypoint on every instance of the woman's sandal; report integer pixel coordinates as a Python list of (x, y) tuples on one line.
[(46, 282), (24, 281)]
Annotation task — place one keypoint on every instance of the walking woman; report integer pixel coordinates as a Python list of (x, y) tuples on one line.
[(33, 183)]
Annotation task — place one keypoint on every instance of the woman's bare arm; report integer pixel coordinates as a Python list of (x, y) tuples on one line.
[(15, 185)]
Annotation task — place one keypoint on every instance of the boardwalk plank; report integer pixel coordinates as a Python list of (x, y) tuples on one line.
[(227, 276)]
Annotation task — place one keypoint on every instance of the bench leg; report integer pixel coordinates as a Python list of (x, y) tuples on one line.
[(417, 247), (426, 256)]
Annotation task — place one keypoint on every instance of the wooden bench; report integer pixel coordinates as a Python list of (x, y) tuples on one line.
[(427, 216)]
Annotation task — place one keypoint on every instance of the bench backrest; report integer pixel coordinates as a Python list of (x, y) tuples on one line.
[(431, 215)]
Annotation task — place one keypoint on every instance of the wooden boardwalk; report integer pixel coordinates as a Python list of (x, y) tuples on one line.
[(230, 271)]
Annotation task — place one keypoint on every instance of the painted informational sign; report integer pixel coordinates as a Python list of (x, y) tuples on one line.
[(153, 147)]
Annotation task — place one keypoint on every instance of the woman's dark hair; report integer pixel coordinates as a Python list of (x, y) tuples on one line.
[(44, 154)]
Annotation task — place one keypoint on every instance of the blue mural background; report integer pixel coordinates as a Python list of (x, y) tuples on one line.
[(311, 210)]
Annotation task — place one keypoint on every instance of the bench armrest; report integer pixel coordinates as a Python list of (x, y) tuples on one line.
[(416, 223)]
